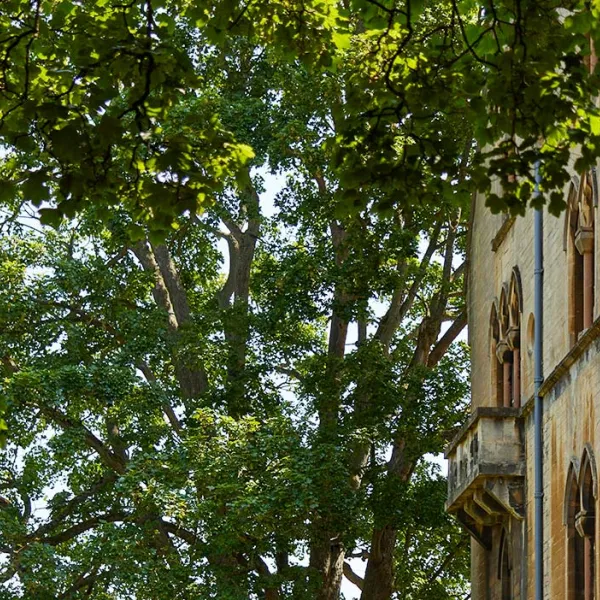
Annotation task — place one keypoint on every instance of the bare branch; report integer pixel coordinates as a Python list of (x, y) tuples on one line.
[(352, 577)]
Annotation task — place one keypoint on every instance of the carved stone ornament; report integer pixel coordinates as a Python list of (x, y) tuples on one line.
[(584, 240), (584, 234), (584, 523), (502, 349), (513, 337)]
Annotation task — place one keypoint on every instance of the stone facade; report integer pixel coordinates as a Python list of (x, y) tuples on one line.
[(491, 460)]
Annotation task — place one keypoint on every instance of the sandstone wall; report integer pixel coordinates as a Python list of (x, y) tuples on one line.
[(571, 403)]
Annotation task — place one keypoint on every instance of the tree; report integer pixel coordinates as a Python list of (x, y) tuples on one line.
[(141, 131), (242, 433)]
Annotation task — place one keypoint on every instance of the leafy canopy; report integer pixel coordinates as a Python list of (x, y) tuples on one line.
[(107, 103), (243, 408)]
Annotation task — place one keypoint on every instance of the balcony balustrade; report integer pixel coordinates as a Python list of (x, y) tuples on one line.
[(486, 470)]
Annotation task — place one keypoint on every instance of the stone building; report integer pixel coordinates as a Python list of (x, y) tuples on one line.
[(491, 478)]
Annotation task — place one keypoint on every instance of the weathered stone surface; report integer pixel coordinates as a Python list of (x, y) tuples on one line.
[(491, 479), (485, 464)]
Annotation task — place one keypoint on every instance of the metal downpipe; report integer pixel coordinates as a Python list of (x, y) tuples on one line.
[(538, 274)]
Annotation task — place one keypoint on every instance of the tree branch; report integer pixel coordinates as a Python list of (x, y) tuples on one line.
[(271, 591), (170, 296), (109, 458), (167, 408), (75, 530), (447, 560), (83, 581), (444, 342), (160, 291), (401, 303), (352, 577), (180, 532), (73, 504), (172, 281)]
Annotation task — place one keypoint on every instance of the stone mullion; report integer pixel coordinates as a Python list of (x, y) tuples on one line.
[(588, 568), (588, 289), (506, 387), (585, 526), (516, 378)]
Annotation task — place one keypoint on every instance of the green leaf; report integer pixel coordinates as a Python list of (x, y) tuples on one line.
[(35, 188), (51, 217)]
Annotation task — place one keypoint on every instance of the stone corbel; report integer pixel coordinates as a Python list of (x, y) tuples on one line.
[(502, 349), (584, 240), (584, 523), (513, 337)]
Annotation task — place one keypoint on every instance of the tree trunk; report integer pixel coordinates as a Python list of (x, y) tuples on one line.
[(327, 558), (379, 576)]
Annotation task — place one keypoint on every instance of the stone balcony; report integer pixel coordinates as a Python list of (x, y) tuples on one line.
[(486, 469)]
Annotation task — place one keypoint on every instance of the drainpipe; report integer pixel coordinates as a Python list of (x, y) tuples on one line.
[(538, 274)]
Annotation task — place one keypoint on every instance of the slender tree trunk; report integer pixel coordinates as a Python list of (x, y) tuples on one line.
[(326, 551), (379, 574)]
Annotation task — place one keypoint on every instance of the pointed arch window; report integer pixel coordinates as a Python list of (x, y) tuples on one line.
[(497, 369), (504, 352), (580, 513), (505, 323), (515, 308), (505, 567), (581, 236)]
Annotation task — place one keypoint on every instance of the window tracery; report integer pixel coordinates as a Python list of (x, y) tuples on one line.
[(506, 343), (580, 517), (581, 232)]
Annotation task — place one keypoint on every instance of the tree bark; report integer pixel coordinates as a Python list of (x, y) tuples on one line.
[(379, 575), (326, 552), (327, 558), (242, 247), (170, 296)]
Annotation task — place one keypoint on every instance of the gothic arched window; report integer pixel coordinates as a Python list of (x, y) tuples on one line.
[(496, 365), (504, 351), (580, 519), (585, 523), (574, 540), (505, 327), (581, 232), (505, 567), (515, 308)]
